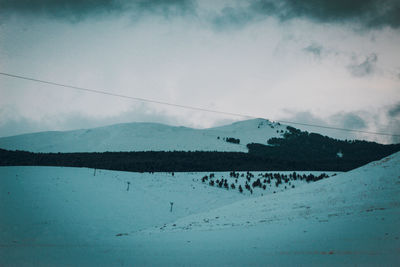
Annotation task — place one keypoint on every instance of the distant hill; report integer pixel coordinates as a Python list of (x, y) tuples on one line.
[(148, 137)]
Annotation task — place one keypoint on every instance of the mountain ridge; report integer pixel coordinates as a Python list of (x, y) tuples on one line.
[(145, 136)]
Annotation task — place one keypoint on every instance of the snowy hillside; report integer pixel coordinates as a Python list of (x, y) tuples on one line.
[(70, 216), (369, 189), (147, 137)]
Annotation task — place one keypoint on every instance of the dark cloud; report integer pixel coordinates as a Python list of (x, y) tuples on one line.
[(314, 49), (349, 120), (394, 111), (367, 67), (76, 10), (232, 18), (393, 126), (367, 14), (393, 123)]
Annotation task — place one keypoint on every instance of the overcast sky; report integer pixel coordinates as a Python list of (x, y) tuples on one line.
[(333, 63)]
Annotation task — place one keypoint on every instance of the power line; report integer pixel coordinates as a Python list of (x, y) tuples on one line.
[(188, 107), (125, 96)]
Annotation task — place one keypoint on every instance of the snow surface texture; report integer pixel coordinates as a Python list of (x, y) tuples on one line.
[(147, 137), (75, 217)]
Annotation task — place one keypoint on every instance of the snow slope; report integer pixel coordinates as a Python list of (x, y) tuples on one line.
[(67, 216), (369, 189), (146, 137)]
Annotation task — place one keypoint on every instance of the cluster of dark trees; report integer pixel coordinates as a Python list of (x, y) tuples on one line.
[(232, 140), (311, 149), (292, 177), (296, 150), (222, 183), (262, 181)]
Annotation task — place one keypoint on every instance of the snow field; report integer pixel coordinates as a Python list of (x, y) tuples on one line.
[(69, 216)]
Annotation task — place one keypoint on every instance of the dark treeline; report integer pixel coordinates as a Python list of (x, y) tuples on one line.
[(159, 161), (174, 161)]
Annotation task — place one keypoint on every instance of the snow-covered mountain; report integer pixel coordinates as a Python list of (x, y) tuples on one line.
[(54, 216), (147, 137)]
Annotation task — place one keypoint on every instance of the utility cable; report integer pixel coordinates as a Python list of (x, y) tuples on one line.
[(189, 107)]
